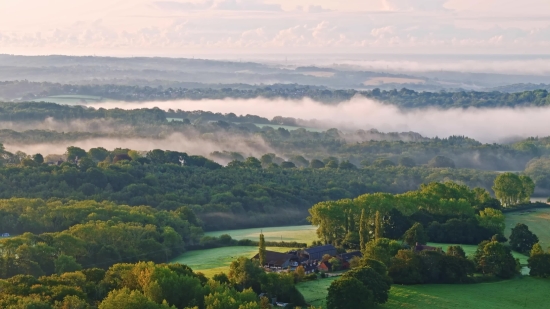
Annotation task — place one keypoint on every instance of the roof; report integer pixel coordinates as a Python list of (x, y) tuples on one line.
[(319, 249), (350, 255), (275, 258)]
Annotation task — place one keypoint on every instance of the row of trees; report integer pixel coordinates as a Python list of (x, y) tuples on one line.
[(448, 209), (404, 97), (157, 178)]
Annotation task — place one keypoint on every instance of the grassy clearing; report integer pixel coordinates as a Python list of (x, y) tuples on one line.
[(538, 221), (214, 261), (299, 233), (525, 292)]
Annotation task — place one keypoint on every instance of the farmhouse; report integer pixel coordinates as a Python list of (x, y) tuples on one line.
[(316, 253), (278, 259)]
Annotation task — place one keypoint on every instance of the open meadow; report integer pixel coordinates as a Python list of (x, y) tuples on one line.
[(214, 261), (538, 221), (525, 292), (299, 233)]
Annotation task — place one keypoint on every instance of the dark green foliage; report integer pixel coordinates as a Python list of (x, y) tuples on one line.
[(521, 239), (379, 284), (494, 258), (348, 293), (441, 162), (416, 234), (539, 265)]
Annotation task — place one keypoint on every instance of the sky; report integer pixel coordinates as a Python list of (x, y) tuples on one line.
[(218, 27)]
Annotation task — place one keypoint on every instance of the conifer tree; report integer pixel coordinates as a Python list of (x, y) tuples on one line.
[(262, 250)]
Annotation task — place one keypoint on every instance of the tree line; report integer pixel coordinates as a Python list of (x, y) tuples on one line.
[(404, 98), (252, 193)]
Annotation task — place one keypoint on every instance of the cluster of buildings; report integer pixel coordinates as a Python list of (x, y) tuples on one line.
[(311, 259)]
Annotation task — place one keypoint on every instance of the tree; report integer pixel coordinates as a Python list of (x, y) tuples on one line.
[(126, 299), (335, 264), (363, 230), (332, 164), (378, 226), (98, 154), (346, 293), (245, 272), (492, 220), (346, 165), (288, 164), (406, 267), (65, 263), (521, 239), (38, 158), (379, 284), (300, 273), (528, 188), (416, 234), (537, 249), (381, 249), (456, 251), (406, 162), (74, 152), (253, 163), (441, 162), (496, 259), (512, 189), (316, 164), (395, 224), (262, 250)]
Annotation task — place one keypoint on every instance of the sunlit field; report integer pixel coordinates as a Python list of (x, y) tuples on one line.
[(299, 233)]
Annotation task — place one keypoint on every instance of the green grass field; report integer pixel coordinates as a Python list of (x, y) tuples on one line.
[(214, 261), (525, 292), (299, 233), (538, 221)]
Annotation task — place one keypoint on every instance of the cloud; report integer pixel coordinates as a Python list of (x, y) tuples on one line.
[(411, 5), (486, 125)]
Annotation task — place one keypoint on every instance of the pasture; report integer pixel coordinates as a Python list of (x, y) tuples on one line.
[(538, 221), (525, 292), (299, 233), (214, 261)]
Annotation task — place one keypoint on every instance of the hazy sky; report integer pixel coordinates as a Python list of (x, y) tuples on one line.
[(195, 27)]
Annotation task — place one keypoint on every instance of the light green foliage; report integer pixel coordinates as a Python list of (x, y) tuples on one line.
[(537, 249), (127, 299), (382, 249), (492, 219), (244, 272), (65, 263), (512, 189)]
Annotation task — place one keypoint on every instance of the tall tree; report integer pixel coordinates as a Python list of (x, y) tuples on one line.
[(262, 250), (363, 230), (522, 239), (378, 226)]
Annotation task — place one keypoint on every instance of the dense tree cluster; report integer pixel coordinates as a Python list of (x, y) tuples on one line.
[(142, 285), (57, 236), (268, 196), (450, 212)]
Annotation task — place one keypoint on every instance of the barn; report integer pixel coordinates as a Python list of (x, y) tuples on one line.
[(316, 253)]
